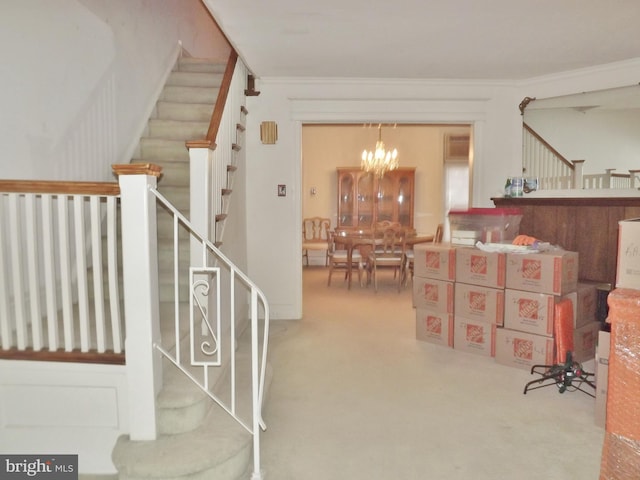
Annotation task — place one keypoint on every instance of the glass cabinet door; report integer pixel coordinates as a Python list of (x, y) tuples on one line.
[(365, 200), (347, 201), (385, 199), (405, 200)]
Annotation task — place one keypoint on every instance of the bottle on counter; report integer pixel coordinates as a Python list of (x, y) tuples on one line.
[(507, 188)]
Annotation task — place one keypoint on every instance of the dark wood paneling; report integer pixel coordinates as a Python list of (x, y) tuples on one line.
[(588, 226), (567, 219), (592, 241), (526, 224)]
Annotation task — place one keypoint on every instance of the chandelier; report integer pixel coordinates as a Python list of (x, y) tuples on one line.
[(380, 161)]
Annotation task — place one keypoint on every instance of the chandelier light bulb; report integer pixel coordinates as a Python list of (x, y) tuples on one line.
[(380, 161)]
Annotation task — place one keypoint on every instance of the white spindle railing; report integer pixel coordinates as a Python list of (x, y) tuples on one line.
[(227, 140), (211, 158), (206, 345), (51, 258), (554, 172), (88, 146)]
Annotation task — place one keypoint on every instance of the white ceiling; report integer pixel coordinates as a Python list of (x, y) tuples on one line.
[(422, 39)]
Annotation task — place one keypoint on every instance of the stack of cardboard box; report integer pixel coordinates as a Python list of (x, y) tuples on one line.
[(501, 304), (458, 293), (535, 282), (479, 300), (433, 292)]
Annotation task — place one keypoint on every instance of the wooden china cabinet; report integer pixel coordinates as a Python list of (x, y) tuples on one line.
[(364, 199)]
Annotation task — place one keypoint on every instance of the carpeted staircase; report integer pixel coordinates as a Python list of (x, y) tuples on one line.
[(197, 438)]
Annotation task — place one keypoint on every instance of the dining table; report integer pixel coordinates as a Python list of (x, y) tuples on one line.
[(364, 239)]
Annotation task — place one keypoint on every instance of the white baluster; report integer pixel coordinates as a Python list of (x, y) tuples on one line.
[(33, 271), (81, 271), (64, 258), (112, 266), (5, 327), (48, 258), (96, 260), (17, 270)]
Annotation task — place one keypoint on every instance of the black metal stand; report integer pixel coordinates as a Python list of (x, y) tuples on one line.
[(567, 376)]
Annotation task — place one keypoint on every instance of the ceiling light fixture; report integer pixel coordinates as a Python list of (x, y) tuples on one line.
[(379, 161)]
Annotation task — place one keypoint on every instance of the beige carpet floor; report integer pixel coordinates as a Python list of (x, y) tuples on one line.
[(356, 396)]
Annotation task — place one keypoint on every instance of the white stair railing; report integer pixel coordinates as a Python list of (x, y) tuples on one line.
[(540, 160), (213, 160), (207, 326), (212, 165), (59, 289)]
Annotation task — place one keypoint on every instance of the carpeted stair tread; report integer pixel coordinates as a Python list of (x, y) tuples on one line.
[(179, 111), (193, 64), (218, 447), (162, 147), (179, 93), (195, 79), (177, 129), (182, 406)]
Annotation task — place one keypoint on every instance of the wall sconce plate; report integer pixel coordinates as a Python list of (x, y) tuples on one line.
[(269, 132)]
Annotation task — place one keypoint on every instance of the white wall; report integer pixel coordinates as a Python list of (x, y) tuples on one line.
[(60, 55), (274, 231)]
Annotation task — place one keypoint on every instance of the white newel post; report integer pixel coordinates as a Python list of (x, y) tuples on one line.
[(633, 178), (607, 177), (141, 304), (578, 176), (200, 196), (201, 210)]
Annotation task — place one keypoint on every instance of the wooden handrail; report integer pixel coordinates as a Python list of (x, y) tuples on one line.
[(59, 187), (216, 116), (546, 144), (75, 356)]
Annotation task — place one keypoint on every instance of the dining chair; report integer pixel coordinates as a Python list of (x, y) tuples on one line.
[(410, 256), (315, 236), (382, 225), (389, 252), (338, 255)]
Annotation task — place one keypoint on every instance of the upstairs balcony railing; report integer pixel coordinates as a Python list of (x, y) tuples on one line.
[(555, 172)]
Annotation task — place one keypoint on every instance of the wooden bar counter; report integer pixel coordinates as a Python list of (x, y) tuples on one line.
[(588, 226)]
